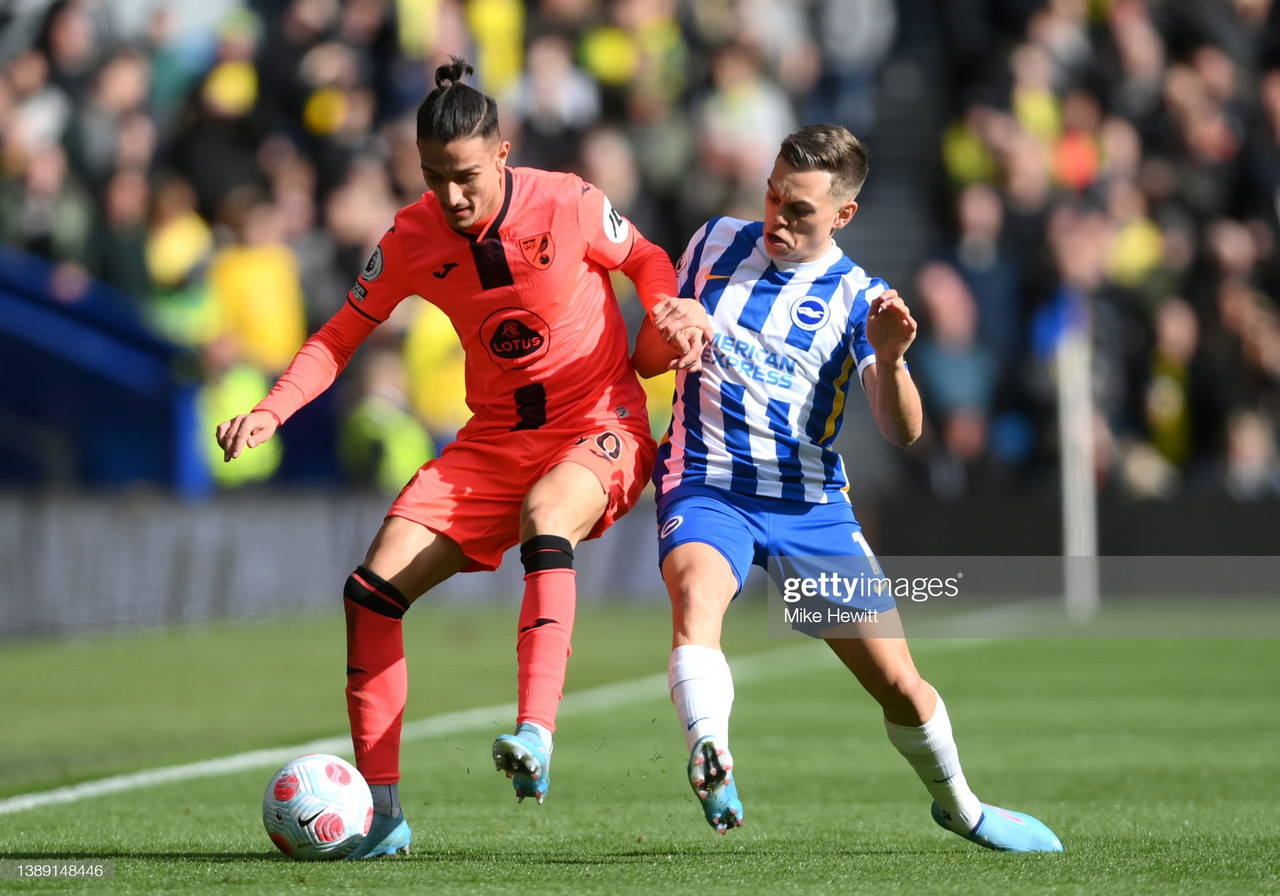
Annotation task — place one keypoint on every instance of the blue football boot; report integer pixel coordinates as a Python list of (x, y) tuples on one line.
[(1005, 830), (711, 776), (526, 761), (387, 836)]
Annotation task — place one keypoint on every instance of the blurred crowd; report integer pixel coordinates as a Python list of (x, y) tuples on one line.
[(1116, 165), (1114, 159), (232, 179)]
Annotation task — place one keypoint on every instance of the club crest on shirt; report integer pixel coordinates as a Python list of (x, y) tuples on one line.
[(515, 337), (539, 250), (373, 267), (809, 313)]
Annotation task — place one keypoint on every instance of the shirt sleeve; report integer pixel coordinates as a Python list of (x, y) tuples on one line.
[(691, 260), (377, 290), (608, 235), (383, 283), (612, 241)]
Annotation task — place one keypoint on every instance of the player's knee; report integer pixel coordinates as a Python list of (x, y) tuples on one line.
[(541, 514), (695, 600), (902, 688), (367, 589), (544, 552)]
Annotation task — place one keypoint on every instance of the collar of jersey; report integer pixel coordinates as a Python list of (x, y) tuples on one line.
[(824, 261)]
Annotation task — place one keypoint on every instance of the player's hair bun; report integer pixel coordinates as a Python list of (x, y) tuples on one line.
[(453, 72)]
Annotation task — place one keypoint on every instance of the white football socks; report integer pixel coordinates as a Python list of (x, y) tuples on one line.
[(537, 730), (931, 750), (702, 690)]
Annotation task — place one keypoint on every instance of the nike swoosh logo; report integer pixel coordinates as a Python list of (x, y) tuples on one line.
[(689, 727), (306, 821), (943, 780), (717, 276)]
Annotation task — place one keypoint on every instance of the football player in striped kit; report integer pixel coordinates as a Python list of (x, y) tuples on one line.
[(748, 472)]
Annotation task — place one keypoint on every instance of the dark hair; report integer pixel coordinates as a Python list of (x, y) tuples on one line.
[(456, 111), (830, 148)]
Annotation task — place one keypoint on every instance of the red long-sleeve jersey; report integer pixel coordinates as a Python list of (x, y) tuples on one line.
[(529, 296)]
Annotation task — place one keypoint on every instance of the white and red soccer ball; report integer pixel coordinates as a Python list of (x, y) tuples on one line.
[(317, 807)]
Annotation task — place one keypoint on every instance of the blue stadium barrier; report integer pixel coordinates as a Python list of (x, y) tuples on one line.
[(89, 397)]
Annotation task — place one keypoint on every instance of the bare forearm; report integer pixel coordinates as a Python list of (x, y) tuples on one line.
[(897, 404)]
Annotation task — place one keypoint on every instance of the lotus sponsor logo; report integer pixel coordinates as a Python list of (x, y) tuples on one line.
[(515, 337)]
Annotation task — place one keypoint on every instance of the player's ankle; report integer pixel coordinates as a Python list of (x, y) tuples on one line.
[(533, 728)]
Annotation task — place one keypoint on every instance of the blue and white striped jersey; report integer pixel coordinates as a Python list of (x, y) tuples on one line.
[(762, 415)]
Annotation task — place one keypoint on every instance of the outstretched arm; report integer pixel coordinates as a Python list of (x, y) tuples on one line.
[(895, 401), (312, 370)]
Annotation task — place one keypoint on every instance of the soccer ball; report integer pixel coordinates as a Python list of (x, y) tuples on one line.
[(317, 807)]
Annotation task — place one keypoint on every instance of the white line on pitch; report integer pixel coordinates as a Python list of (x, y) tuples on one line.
[(774, 662)]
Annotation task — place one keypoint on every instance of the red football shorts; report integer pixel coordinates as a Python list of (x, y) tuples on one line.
[(473, 491)]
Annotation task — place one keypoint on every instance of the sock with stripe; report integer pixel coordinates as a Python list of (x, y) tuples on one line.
[(377, 679), (545, 628), (386, 799), (702, 690), (931, 750)]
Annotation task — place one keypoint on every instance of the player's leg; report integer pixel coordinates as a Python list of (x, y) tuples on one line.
[(701, 585), (559, 511), (914, 714), (404, 561), (698, 536), (588, 482), (454, 515), (918, 725)]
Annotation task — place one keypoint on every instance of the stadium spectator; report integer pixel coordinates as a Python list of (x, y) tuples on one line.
[(958, 376), (255, 282), (179, 246), (380, 444), (118, 244), (231, 382)]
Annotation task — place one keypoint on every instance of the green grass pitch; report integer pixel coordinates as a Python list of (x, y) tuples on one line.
[(1154, 760)]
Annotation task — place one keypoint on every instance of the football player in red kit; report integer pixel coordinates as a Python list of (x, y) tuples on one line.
[(558, 446)]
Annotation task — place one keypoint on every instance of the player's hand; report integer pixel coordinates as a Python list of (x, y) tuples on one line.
[(689, 343), (890, 326), (245, 431), (673, 315)]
